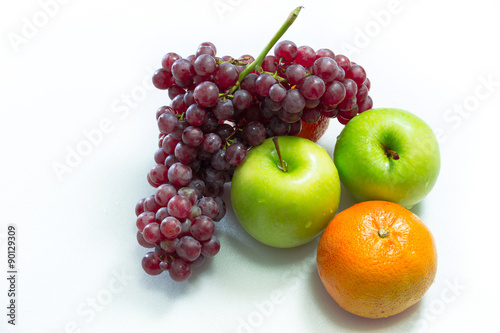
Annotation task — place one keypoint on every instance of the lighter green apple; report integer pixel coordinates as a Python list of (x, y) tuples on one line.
[(286, 208), (388, 154)]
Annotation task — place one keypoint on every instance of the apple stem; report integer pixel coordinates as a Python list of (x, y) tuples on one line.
[(257, 63), (277, 146), (393, 154)]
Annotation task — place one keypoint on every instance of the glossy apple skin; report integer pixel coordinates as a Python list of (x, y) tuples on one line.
[(286, 209), (366, 170)]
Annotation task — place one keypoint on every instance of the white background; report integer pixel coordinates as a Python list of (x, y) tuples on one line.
[(91, 61)]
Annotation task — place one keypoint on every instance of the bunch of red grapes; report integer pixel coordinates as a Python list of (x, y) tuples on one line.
[(220, 108)]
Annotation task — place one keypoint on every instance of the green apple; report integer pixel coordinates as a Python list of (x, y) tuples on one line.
[(388, 154), (286, 208)]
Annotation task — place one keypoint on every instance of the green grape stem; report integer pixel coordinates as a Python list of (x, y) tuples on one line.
[(257, 63)]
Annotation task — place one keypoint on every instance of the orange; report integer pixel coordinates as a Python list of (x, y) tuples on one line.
[(376, 259), (314, 131)]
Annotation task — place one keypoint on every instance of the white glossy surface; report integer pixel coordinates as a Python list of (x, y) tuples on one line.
[(78, 262)]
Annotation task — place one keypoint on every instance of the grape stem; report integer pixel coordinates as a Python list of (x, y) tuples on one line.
[(257, 63), (278, 78)]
